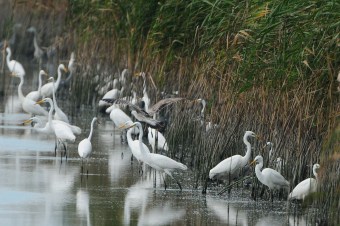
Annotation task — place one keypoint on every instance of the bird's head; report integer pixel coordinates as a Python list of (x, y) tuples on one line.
[(250, 134), (258, 159), (62, 67), (44, 101), (316, 166), (42, 72), (268, 144), (29, 121), (50, 79)]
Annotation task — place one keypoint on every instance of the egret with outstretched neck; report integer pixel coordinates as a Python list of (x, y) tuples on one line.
[(231, 166), (159, 162), (269, 177), (85, 146), (14, 66)]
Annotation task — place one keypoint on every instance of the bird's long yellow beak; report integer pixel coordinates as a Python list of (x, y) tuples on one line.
[(137, 74), (28, 121), (66, 70), (39, 102), (252, 163), (126, 126)]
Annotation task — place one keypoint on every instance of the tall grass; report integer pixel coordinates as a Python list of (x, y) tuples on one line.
[(266, 66)]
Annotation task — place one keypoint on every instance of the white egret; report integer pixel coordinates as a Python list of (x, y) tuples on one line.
[(279, 161), (111, 94), (269, 177), (62, 131), (161, 141), (36, 95), (158, 162), (14, 66), (85, 146), (38, 52), (59, 114), (231, 166), (29, 105), (118, 116), (135, 146), (305, 187), (47, 89)]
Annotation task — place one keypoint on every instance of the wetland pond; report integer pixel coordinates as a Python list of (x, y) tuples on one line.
[(36, 188)]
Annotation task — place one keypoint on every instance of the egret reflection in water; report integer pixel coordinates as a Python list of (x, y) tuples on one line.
[(83, 206), (226, 212)]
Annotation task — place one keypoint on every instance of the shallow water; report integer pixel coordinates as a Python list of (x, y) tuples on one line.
[(36, 188)]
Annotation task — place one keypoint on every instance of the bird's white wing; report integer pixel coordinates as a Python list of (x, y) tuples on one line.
[(228, 166), (84, 148), (275, 177), (304, 188), (63, 132), (165, 162)]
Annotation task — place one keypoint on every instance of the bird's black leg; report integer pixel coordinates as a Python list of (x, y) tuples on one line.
[(271, 195), (179, 185), (65, 150), (55, 148)]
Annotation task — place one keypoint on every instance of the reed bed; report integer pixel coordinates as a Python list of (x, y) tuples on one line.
[(265, 66)]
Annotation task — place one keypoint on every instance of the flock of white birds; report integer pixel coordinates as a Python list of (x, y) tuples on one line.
[(56, 122)]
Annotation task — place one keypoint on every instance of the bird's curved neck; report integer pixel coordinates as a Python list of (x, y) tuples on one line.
[(270, 152), (258, 172), (140, 138), (8, 57), (20, 94), (35, 42), (58, 79), (315, 173), (90, 135), (40, 83), (53, 93), (128, 135), (50, 113), (247, 155)]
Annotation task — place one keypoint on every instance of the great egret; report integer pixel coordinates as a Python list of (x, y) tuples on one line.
[(62, 132), (14, 66), (29, 105), (36, 95), (161, 141), (269, 177), (85, 146), (47, 89), (135, 146), (111, 94), (118, 116), (278, 162), (38, 52), (158, 162), (59, 114), (65, 84), (231, 166), (305, 187)]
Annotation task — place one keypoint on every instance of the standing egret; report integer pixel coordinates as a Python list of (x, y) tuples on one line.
[(305, 187), (279, 161), (85, 146), (36, 95), (47, 89), (62, 132), (38, 52), (232, 165), (14, 66), (135, 146), (29, 105), (269, 177), (158, 162)]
